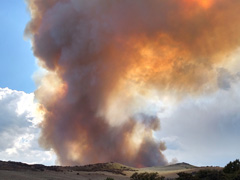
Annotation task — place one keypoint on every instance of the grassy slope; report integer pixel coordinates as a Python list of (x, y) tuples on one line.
[(172, 170), (14, 171)]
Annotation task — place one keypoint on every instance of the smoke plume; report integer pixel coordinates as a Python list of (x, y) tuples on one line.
[(108, 62)]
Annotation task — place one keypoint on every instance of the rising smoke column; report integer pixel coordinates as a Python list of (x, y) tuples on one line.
[(107, 59)]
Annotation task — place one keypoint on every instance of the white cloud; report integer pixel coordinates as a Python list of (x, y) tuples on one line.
[(18, 129)]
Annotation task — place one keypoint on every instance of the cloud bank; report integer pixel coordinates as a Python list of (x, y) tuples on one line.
[(18, 129)]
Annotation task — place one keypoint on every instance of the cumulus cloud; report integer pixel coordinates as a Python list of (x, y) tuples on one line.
[(18, 129)]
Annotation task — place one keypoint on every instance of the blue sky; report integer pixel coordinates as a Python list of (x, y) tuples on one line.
[(19, 135), (17, 63)]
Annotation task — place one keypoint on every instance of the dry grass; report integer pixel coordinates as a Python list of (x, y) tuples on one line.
[(21, 171)]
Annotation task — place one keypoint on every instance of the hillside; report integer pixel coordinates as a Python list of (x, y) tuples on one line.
[(16, 170)]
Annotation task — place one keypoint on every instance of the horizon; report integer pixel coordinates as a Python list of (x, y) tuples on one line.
[(178, 163)]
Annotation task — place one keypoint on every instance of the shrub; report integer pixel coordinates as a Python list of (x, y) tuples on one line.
[(232, 167), (146, 176), (185, 176), (108, 178)]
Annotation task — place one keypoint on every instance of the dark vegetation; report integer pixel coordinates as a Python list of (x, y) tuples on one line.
[(230, 172), (114, 168), (146, 176), (108, 178)]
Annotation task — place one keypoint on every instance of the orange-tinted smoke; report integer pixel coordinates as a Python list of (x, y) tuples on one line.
[(108, 59), (206, 4)]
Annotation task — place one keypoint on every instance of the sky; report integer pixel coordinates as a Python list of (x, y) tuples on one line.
[(19, 134), (17, 63), (200, 130)]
